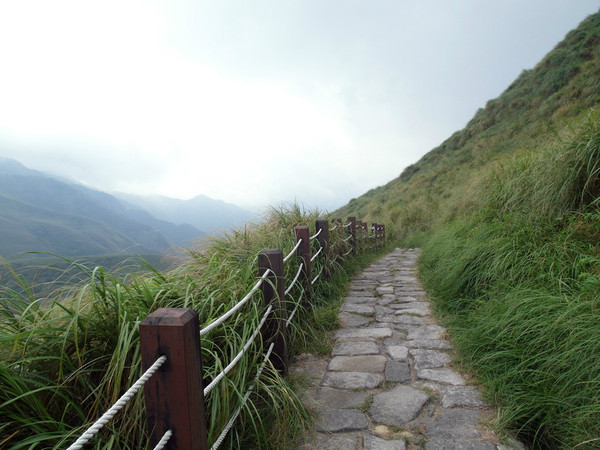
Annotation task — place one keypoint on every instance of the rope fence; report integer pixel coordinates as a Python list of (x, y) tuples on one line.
[(229, 313), (316, 255), (289, 320), (237, 358), (112, 412), (164, 440), (317, 277), (316, 235), (290, 254), (235, 415), (293, 283), (175, 399)]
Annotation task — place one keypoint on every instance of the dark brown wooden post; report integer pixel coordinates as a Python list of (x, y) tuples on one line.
[(352, 231), (174, 394), (303, 253), (376, 234), (365, 234), (337, 245), (323, 239), (274, 329)]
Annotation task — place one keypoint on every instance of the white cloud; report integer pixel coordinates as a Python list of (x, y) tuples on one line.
[(254, 103)]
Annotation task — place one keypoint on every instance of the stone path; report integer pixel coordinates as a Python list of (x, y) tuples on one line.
[(389, 383)]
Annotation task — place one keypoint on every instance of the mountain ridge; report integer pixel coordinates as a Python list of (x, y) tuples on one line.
[(556, 93), (43, 213)]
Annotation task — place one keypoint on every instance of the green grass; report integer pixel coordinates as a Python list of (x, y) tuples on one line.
[(518, 284), (64, 359)]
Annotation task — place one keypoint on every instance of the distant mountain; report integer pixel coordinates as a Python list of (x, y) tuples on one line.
[(203, 212), (11, 167), (41, 213)]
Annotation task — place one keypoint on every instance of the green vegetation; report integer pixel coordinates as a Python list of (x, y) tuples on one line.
[(518, 283), (46, 273), (65, 359), (508, 213)]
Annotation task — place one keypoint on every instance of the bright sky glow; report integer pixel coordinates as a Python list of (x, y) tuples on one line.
[(260, 102)]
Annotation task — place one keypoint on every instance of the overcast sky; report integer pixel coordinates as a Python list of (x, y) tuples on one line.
[(256, 102)]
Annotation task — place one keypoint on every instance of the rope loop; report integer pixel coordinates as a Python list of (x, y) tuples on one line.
[(241, 303), (317, 234), (113, 410), (290, 254), (235, 360), (287, 291)]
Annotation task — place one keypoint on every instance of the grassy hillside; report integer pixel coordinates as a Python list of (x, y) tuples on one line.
[(508, 212), (556, 93), (65, 358)]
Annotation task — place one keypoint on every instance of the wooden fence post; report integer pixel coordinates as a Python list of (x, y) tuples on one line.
[(337, 247), (365, 234), (373, 229), (303, 253), (352, 231), (323, 238), (174, 394), (273, 289)]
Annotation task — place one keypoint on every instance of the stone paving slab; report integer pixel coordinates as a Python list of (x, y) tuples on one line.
[(389, 383)]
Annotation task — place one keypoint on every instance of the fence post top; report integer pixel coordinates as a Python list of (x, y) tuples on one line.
[(271, 251), (170, 316)]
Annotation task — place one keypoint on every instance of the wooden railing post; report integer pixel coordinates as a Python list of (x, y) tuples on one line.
[(303, 253), (365, 234), (323, 238), (274, 329), (376, 234), (174, 394), (352, 231), (338, 246)]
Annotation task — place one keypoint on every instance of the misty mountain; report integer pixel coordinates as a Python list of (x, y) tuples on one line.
[(39, 212), (203, 212)]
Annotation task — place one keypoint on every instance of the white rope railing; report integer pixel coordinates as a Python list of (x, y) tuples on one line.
[(348, 238), (317, 277), (108, 415), (235, 415), (235, 360), (334, 228), (289, 320), (287, 291), (348, 252), (290, 254), (163, 440), (241, 303), (314, 236), (316, 255), (347, 224)]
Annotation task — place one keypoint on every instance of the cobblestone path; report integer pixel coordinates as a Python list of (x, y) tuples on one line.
[(388, 383)]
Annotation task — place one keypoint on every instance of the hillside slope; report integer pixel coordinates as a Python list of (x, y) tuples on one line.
[(508, 213), (557, 92), (43, 213)]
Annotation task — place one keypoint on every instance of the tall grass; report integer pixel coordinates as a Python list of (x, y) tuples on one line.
[(519, 284), (65, 359)]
